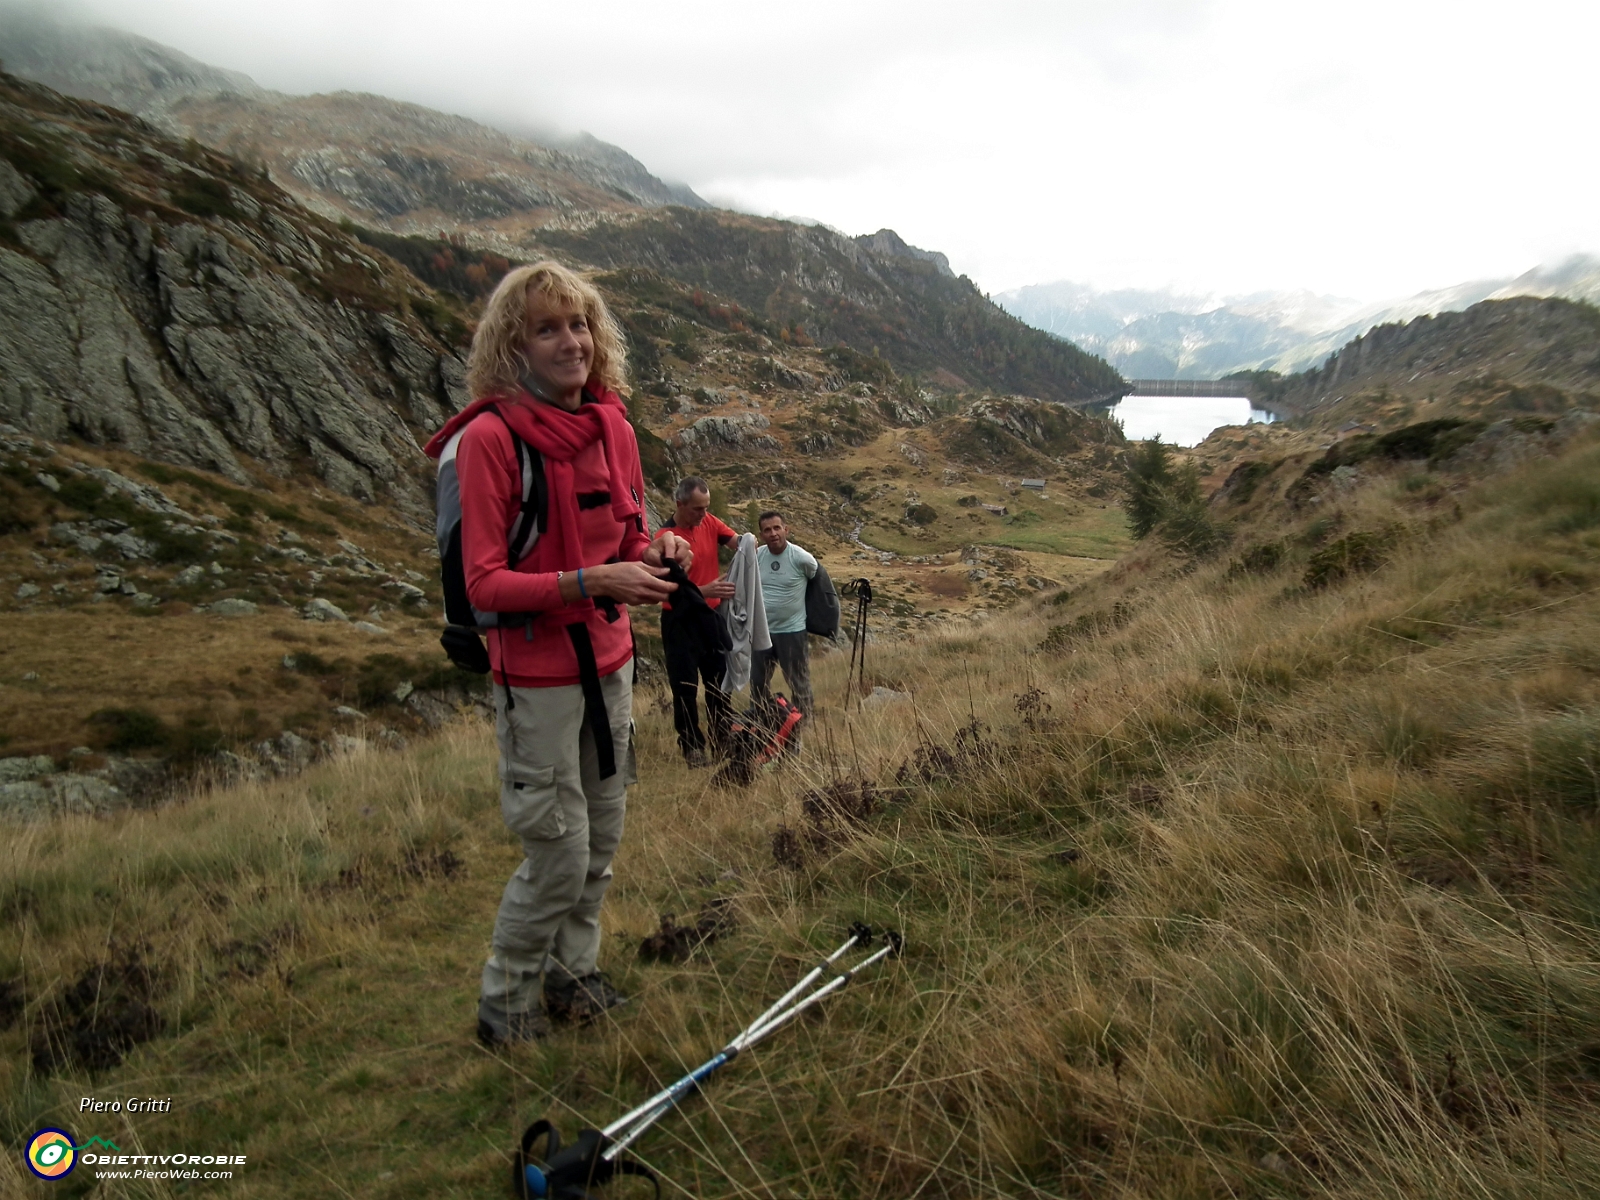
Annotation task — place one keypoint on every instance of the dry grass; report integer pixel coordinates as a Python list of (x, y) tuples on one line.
[(226, 671), (1263, 892)]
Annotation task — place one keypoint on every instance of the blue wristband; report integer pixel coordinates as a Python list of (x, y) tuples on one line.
[(582, 591)]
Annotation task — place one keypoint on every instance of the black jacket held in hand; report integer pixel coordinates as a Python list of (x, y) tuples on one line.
[(692, 618)]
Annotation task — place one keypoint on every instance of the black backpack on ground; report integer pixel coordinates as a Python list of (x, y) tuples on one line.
[(822, 605)]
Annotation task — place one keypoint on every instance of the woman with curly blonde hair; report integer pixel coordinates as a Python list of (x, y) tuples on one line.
[(546, 367)]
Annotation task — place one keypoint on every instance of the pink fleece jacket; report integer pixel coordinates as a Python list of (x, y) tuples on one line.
[(541, 654)]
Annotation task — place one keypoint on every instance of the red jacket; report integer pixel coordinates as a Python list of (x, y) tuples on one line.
[(576, 464)]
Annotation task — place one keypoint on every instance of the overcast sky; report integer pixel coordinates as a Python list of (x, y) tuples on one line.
[(1367, 148)]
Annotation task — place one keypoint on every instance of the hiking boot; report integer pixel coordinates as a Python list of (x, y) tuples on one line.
[(518, 1027), (696, 758), (580, 1001)]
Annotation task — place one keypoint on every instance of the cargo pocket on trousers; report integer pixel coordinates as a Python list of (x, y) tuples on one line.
[(530, 803)]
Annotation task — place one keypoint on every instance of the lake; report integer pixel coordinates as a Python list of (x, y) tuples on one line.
[(1183, 420)]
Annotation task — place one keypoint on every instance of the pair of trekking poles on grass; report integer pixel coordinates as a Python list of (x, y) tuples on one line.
[(597, 1156)]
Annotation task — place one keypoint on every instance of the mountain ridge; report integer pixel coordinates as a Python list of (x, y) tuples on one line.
[(397, 157), (1165, 334)]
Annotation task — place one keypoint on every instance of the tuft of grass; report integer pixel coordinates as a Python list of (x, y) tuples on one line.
[(1356, 553), (1564, 759)]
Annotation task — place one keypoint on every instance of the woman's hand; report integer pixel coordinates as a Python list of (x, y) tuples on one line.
[(669, 546), (626, 582)]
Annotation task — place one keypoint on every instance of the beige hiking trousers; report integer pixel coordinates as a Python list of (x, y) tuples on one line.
[(570, 822)]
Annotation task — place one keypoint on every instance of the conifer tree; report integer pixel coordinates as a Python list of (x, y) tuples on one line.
[(1149, 476)]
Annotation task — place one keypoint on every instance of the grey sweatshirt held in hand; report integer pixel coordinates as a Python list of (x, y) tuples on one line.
[(746, 614)]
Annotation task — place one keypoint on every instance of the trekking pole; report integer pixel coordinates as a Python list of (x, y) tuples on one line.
[(891, 948), (566, 1173), (859, 935), (768, 1023), (858, 639)]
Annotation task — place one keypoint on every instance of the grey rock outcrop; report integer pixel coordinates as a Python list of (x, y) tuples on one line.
[(252, 331), (737, 432), (60, 795), (18, 770), (889, 243)]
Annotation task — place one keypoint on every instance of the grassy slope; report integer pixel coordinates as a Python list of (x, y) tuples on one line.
[(1285, 893), (1499, 358), (220, 676)]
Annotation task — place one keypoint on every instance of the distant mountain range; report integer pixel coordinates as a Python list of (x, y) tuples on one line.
[(347, 154), (1172, 335)]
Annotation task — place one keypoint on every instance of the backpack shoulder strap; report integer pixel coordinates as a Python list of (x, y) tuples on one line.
[(534, 511)]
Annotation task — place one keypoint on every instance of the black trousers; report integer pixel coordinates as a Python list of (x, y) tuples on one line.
[(686, 667)]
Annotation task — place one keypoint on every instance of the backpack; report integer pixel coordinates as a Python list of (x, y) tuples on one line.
[(757, 738), (461, 640), (822, 605)]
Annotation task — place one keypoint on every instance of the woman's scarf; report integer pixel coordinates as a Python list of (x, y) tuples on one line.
[(560, 436)]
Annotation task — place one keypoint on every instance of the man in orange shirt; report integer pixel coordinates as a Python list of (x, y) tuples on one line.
[(687, 661)]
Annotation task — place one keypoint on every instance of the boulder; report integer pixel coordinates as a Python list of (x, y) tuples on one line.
[(86, 794), (879, 696), (130, 545), (66, 533), (320, 609)]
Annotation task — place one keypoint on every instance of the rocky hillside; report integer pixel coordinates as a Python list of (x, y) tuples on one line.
[(165, 300), (344, 155), (402, 168), (873, 294), (1498, 358), (211, 403)]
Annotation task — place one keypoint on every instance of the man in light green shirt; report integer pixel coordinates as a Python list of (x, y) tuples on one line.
[(785, 569)]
